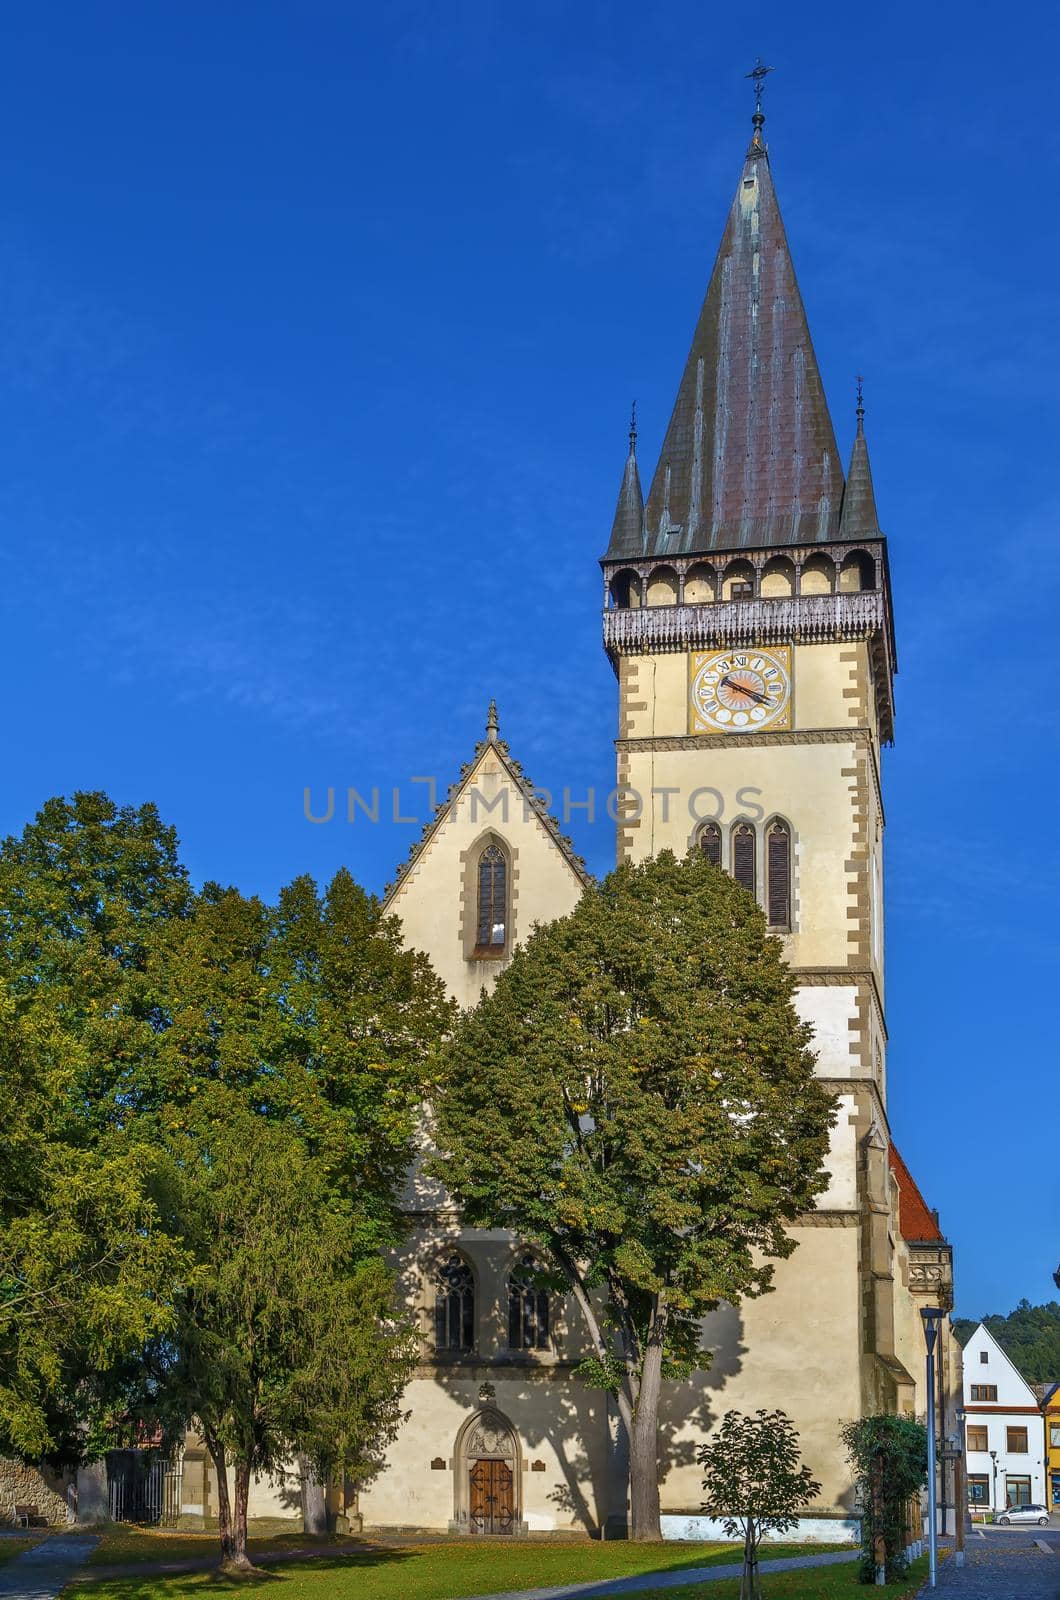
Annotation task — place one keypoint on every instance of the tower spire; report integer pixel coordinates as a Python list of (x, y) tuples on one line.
[(492, 723), (627, 530), (749, 458), (859, 519)]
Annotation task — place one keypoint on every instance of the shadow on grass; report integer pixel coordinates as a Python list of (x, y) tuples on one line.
[(140, 1582)]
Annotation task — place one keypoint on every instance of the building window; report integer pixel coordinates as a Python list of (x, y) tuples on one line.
[(454, 1306), (778, 875), (978, 1489), (977, 1439), (527, 1309), (743, 856), (984, 1356), (710, 842), (1017, 1491), (742, 590), (1054, 1435), (984, 1391), (1016, 1441), (1056, 1488), (492, 902)]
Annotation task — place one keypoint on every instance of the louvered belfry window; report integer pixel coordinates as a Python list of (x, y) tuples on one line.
[(778, 875), (710, 842), (743, 856), (492, 900)]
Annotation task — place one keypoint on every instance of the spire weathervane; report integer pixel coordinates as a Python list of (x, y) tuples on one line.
[(758, 74)]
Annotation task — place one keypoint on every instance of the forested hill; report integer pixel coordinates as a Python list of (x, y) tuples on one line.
[(1029, 1336)]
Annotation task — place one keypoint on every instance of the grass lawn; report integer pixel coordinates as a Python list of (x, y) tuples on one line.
[(128, 1543), (829, 1583), (428, 1572)]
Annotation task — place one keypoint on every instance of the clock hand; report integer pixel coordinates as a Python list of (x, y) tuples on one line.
[(741, 688)]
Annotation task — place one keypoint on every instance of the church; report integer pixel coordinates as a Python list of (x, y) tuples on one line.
[(747, 617)]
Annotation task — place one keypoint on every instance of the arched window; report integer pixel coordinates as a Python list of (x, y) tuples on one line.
[(527, 1308), (492, 902), (778, 874), (454, 1305), (743, 856), (710, 842)]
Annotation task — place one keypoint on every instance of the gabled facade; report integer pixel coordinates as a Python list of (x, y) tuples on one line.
[(1051, 1413), (1005, 1436)]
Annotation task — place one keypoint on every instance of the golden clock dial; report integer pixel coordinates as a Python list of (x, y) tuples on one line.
[(740, 691)]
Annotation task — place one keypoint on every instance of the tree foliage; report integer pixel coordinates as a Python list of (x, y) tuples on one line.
[(755, 1482), (889, 1458), (637, 1095), (213, 1109), (1029, 1336)]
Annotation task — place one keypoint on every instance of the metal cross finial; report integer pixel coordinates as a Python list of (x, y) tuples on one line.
[(758, 76), (491, 718), (859, 380), (633, 430)]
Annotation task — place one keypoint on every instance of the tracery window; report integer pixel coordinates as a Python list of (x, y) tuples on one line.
[(743, 856), (527, 1308), (454, 1305), (778, 874), (710, 842), (492, 901)]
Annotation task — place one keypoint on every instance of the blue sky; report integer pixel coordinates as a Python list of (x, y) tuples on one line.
[(319, 326)]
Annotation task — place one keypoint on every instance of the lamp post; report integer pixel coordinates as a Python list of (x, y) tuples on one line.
[(993, 1485), (932, 1316), (960, 1490)]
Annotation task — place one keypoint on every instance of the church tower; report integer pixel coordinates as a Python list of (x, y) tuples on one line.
[(748, 619)]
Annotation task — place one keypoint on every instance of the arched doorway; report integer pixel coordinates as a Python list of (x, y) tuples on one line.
[(487, 1488)]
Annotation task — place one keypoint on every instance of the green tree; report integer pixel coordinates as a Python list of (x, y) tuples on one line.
[(285, 1081), (286, 1342), (85, 1262), (637, 1096), (755, 1482), (889, 1457)]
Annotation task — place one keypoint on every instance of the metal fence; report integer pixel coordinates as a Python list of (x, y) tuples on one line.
[(144, 1486)]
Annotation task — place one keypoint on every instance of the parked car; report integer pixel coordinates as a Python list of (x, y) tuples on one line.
[(1038, 1514)]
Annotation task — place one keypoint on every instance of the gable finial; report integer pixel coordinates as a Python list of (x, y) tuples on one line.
[(633, 430), (492, 724), (758, 74), (860, 413)]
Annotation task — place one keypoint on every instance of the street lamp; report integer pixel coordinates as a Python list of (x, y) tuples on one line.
[(960, 1488), (932, 1316)]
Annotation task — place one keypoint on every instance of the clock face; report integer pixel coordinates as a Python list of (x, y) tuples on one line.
[(739, 691)]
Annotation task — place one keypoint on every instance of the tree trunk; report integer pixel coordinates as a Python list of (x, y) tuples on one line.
[(240, 1561), (644, 1437), (750, 1578), (314, 1499), (224, 1503)]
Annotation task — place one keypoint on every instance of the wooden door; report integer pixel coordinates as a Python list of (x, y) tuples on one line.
[(491, 1497)]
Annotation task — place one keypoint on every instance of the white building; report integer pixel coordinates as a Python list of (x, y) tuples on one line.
[(1005, 1437)]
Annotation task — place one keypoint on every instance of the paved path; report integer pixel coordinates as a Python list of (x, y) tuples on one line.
[(1000, 1570), (672, 1578), (40, 1573)]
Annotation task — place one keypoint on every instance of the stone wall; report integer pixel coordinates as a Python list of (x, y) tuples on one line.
[(24, 1485)]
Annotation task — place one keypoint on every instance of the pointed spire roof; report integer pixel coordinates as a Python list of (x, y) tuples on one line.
[(859, 519), (749, 458), (627, 530)]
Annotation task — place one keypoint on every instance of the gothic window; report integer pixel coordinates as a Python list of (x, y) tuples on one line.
[(710, 842), (743, 856), (527, 1309), (492, 901), (454, 1306), (778, 875)]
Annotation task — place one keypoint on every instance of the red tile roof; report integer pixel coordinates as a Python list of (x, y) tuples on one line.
[(918, 1223)]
